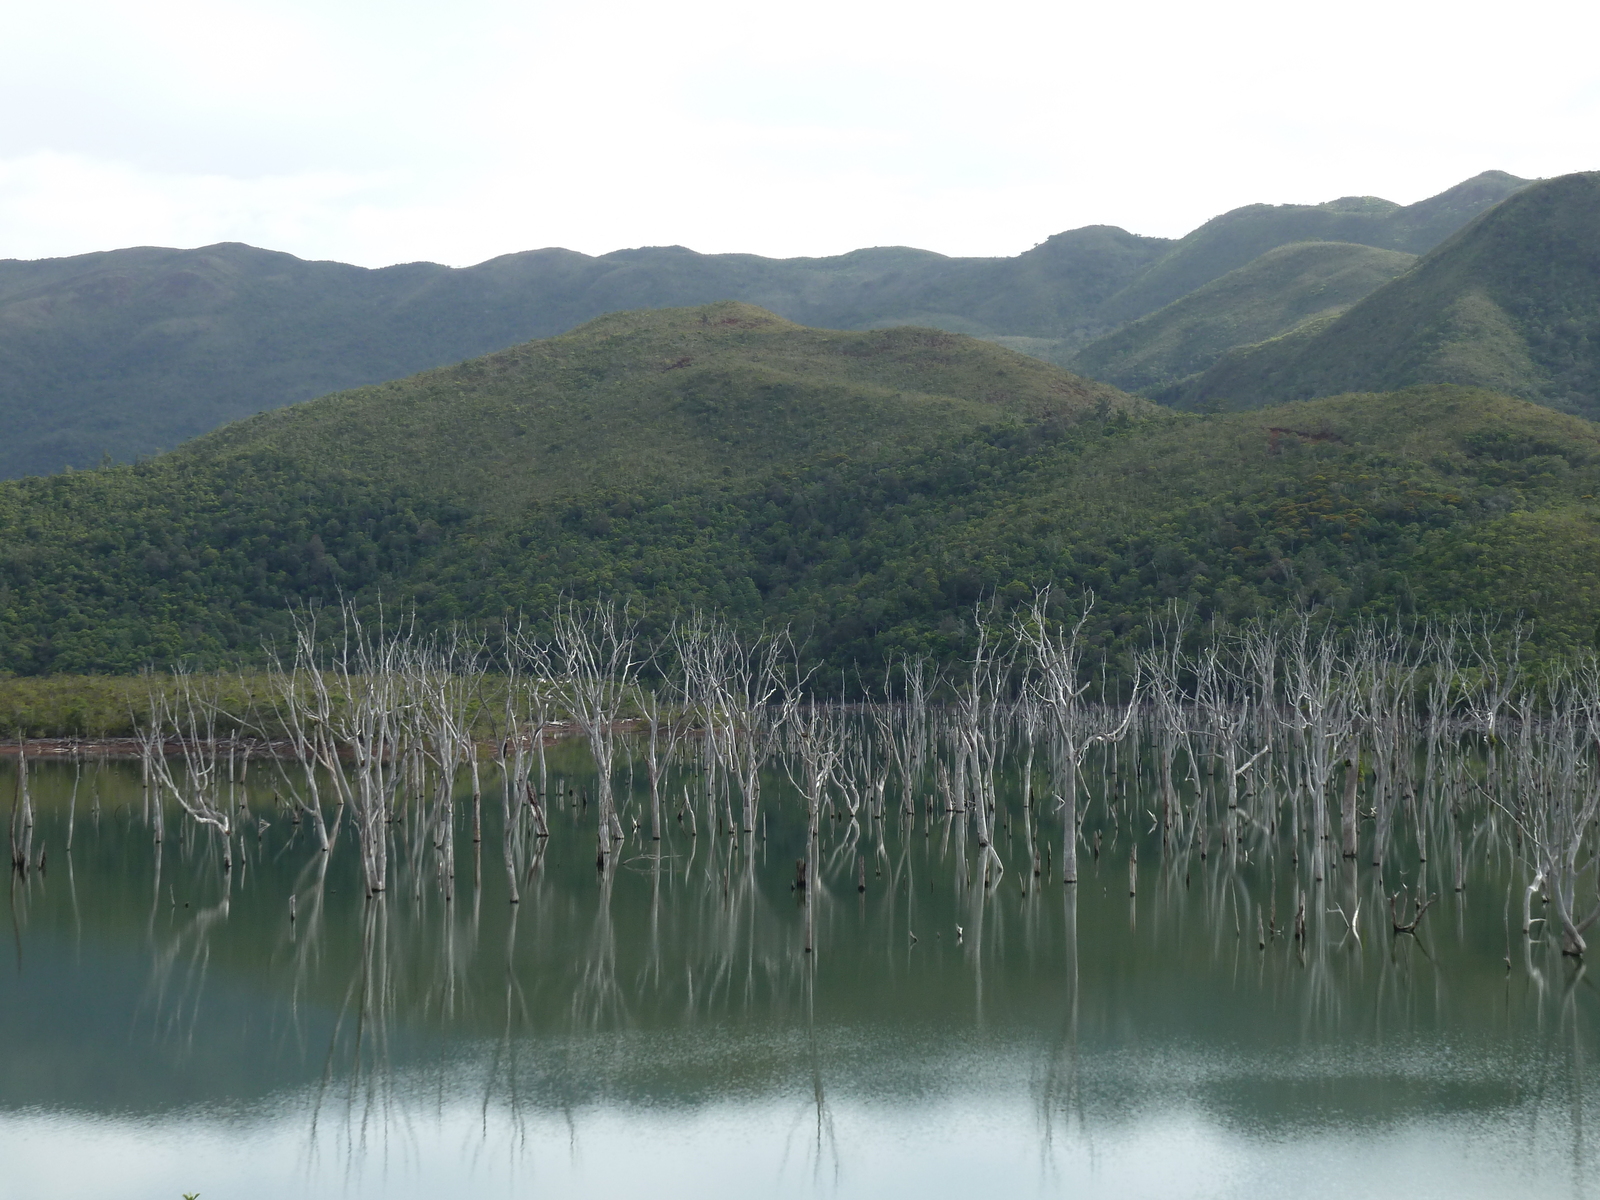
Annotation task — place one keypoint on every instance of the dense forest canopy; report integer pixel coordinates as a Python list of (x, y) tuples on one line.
[(871, 531)]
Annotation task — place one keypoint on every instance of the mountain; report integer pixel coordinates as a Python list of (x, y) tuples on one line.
[(133, 351), (1235, 238), (1283, 288), (198, 549), (864, 488), (661, 398), (1511, 302), (129, 352)]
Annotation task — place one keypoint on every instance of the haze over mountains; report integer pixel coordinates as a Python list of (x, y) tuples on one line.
[(132, 351)]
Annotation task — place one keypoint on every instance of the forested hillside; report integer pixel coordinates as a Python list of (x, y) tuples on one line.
[(133, 351), (1268, 296), (1230, 241), (871, 487), (1512, 303)]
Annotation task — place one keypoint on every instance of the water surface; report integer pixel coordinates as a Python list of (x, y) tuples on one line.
[(663, 1031)]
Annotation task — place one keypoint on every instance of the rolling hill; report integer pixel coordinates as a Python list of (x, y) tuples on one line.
[(1230, 241), (134, 351), (864, 487), (662, 398), (199, 549), (130, 352), (1512, 302), (1268, 296)]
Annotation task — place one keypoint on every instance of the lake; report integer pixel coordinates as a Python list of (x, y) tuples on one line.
[(266, 1029)]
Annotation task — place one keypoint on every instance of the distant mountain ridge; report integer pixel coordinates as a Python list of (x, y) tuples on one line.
[(1511, 303), (1230, 241), (133, 351)]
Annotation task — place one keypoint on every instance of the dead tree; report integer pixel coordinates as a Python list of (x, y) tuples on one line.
[(595, 660), (1055, 663)]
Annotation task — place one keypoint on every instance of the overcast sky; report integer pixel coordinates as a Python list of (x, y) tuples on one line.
[(378, 132)]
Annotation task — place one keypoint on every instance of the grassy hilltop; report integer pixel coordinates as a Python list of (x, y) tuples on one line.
[(865, 487)]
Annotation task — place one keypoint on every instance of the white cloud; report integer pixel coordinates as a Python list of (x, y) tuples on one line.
[(387, 132)]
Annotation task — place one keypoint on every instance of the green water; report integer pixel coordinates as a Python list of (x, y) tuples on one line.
[(167, 1028)]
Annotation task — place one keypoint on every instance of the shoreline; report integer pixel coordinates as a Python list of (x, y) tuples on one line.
[(62, 748)]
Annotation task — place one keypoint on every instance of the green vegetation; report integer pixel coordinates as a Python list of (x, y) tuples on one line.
[(373, 492), (864, 487), (1284, 288), (1425, 503), (109, 706), (1511, 303), (1228, 242), (669, 397), (95, 706), (248, 704), (131, 352)]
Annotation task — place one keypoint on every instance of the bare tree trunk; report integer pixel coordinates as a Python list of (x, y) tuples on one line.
[(1350, 815)]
